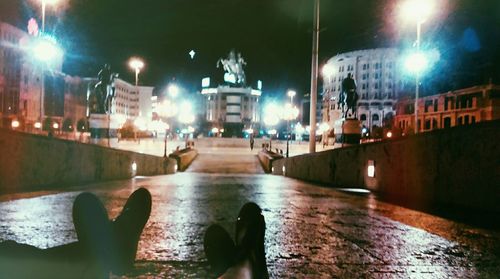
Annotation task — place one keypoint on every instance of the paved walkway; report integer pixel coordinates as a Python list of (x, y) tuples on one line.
[(227, 164), (312, 232)]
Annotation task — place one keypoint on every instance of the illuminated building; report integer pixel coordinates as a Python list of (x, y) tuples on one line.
[(20, 77), (454, 108), (233, 109), (378, 84)]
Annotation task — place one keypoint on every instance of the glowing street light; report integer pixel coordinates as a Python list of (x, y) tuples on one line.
[(416, 63), (46, 51), (173, 90), (15, 124), (419, 11), (136, 64)]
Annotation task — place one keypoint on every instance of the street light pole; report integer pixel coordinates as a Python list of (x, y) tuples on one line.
[(43, 15), (165, 149), (314, 80), (417, 77)]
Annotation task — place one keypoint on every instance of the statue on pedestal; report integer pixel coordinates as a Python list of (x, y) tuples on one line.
[(233, 66), (348, 98), (104, 91)]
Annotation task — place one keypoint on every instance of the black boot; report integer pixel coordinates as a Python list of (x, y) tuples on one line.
[(219, 249), (94, 232), (127, 228), (250, 234)]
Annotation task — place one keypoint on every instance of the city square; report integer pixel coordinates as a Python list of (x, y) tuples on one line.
[(262, 139)]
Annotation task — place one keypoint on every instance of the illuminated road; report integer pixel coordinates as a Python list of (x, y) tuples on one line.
[(312, 231)]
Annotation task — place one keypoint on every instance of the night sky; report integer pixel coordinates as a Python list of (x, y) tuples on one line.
[(273, 36)]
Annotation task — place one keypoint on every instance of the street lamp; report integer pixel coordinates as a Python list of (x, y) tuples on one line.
[(167, 109), (290, 113), (419, 11), (173, 90), (44, 3), (271, 118), (186, 116), (46, 51), (291, 94), (136, 64)]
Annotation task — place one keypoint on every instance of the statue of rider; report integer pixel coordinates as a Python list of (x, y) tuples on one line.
[(348, 98)]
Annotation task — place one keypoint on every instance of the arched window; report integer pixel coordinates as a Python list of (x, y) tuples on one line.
[(375, 117), (362, 117)]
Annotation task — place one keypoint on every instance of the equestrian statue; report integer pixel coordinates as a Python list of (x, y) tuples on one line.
[(104, 91), (233, 66), (348, 98)]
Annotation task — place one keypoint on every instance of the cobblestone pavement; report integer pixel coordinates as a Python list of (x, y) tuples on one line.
[(312, 231)]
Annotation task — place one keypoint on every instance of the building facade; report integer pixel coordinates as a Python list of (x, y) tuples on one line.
[(375, 72), (232, 108), (454, 108), (131, 101), (21, 78)]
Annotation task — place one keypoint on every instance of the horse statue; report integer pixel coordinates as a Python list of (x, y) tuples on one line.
[(348, 98), (104, 92), (233, 66)]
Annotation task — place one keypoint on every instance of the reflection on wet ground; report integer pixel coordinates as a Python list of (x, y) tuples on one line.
[(311, 231)]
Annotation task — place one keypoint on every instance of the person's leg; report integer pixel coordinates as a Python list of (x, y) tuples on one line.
[(245, 260), (250, 237), (219, 249), (127, 229), (96, 243)]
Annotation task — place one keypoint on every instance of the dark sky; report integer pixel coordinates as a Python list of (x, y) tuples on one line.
[(273, 36)]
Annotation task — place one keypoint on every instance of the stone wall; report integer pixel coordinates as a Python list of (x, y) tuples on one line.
[(184, 157), (31, 162), (458, 167)]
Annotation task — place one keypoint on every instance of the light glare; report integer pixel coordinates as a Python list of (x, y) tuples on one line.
[(136, 64), (418, 10), (416, 63), (46, 51)]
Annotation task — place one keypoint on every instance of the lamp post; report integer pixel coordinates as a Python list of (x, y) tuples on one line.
[(44, 4), (419, 10), (42, 82), (290, 113), (271, 118), (45, 51), (314, 78), (166, 135), (136, 64), (291, 94), (186, 117), (167, 109)]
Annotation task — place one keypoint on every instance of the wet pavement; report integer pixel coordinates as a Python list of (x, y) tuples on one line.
[(312, 231), (229, 163)]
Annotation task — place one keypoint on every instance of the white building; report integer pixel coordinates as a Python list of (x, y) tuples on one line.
[(132, 101), (378, 84), (146, 101), (232, 108)]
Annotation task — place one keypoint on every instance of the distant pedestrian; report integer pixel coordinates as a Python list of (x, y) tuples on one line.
[(252, 141)]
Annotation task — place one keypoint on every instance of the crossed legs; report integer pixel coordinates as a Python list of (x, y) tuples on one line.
[(103, 245)]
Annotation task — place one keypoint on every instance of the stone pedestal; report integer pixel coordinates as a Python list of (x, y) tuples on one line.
[(103, 129), (347, 132)]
